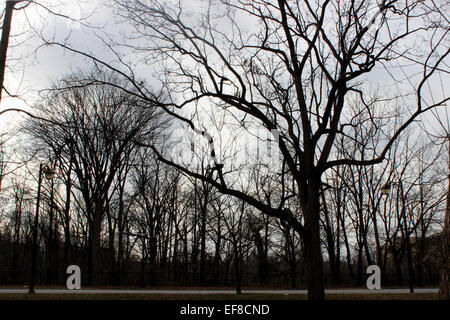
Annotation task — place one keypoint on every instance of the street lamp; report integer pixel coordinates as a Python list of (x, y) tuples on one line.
[(386, 189), (49, 174)]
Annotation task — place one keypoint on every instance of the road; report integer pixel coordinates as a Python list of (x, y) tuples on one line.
[(285, 292)]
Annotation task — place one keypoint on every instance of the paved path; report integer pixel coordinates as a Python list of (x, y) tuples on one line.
[(285, 292)]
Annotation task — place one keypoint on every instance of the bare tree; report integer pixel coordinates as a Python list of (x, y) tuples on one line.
[(444, 289), (294, 75), (2, 160), (94, 128), (153, 189), (438, 131)]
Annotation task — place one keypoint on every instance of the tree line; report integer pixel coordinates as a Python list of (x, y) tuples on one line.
[(349, 178), (128, 219)]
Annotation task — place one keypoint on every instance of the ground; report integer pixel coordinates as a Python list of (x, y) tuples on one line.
[(9, 293)]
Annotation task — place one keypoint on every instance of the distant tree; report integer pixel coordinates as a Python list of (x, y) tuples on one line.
[(438, 130), (444, 289), (153, 186), (94, 127), (2, 160)]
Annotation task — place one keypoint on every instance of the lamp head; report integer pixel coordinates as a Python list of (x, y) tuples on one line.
[(385, 189), (49, 173)]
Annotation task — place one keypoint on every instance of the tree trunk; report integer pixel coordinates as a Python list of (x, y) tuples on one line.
[(293, 269), (143, 263), (185, 254), (6, 29), (217, 263), (50, 241), (410, 262), (121, 228), (313, 252), (261, 256), (332, 257), (359, 265), (111, 246), (445, 268), (347, 249), (203, 241), (379, 255), (67, 241), (237, 269), (153, 258), (397, 264), (445, 271), (94, 249)]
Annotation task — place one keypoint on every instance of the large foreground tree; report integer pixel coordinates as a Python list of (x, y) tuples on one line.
[(296, 68)]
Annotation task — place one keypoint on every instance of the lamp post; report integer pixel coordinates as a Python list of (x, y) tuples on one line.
[(49, 173), (385, 191)]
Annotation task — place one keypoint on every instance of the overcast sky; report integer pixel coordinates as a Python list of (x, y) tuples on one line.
[(30, 71), (30, 67)]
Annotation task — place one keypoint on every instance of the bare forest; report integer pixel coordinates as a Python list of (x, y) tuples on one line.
[(243, 144)]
